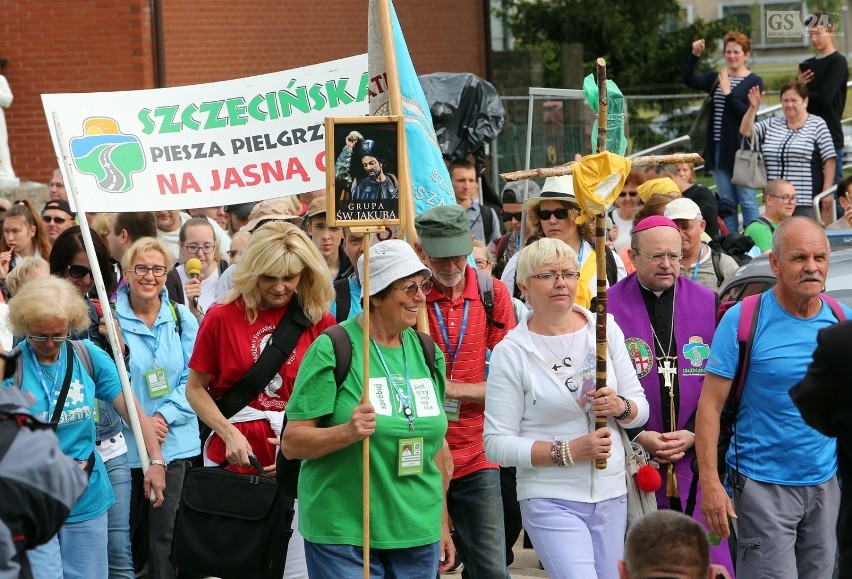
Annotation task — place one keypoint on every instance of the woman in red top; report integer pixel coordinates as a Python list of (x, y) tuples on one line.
[(280, 265)]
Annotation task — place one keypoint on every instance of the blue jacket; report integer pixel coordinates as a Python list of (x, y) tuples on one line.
[(736, 105), (172, 354)]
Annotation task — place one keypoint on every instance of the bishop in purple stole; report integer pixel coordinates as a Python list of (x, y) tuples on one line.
[(693, 328)]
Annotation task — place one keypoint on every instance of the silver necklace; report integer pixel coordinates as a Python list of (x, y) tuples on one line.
[(566, 360), (666, 351)]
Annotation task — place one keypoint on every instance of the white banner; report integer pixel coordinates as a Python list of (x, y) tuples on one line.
[(209, 144)]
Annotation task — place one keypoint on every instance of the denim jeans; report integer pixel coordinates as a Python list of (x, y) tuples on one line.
[(744, 197), (838, 169), (78, 551), (476, 509), (118, 520), (345, 561)]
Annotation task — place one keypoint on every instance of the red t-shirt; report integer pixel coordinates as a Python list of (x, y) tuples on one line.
[(227, 346), (464, 436)]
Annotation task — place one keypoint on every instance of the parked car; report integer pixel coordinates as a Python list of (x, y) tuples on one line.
[(756, 277)]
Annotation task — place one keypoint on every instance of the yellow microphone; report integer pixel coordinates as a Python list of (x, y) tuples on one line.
[(193, 270)]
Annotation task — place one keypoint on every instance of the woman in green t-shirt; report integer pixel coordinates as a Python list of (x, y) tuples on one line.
[(405, 421)]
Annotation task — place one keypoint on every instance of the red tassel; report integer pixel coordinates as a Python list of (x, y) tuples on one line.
[(648, 479)]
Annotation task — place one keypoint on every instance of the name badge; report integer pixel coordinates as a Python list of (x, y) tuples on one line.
[(158, 384), (410, 456), (452, 408)]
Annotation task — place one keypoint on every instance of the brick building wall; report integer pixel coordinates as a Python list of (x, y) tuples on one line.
[(106, 45)]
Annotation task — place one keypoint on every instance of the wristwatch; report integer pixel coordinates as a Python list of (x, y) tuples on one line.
[(162, 463)]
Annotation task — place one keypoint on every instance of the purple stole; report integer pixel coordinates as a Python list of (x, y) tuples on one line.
[(694, 326)]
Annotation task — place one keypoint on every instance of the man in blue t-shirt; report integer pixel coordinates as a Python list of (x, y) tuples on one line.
[(783, 472)]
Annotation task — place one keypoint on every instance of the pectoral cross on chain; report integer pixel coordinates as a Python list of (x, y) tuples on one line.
[(668, 370)]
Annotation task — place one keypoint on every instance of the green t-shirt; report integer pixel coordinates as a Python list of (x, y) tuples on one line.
[(405, 511), (761, 233)]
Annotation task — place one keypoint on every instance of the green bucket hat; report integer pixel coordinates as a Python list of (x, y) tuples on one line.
[(444, 231)]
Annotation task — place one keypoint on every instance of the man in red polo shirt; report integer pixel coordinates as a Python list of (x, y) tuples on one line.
[(458, 324)]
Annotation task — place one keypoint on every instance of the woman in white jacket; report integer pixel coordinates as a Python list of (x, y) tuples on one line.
[(540, 406)]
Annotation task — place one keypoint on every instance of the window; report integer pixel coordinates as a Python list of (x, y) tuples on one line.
[(772, 24)]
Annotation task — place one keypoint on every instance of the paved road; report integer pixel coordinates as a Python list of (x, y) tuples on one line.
[(525, 565)]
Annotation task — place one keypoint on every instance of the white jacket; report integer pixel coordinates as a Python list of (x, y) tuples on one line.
[(525, 402)]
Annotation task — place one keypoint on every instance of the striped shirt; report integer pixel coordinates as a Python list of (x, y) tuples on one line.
[(796, 155), (464, 436), (719, 106)]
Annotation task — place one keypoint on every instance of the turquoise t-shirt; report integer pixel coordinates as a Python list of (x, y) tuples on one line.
[(405, 511), (772, 443), (76, 430)]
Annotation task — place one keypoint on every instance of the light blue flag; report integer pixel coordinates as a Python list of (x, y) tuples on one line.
[(430, 180)]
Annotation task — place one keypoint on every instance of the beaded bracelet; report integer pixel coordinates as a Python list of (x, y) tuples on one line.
[(628, 408), (555, 455), (566, 449)]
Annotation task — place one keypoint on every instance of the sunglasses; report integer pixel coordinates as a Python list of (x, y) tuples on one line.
[(507, 217), (56, 220), (78, 271), (546, 214), (626, 193), (411, 289)]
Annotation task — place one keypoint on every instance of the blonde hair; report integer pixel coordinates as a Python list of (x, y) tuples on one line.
[(48, 299), (279, 249), (145, 244), (585, 231), (545, 251), (100, 225), (26, 270)]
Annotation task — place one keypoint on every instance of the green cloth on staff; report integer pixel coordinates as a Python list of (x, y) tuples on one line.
[(616, 142)]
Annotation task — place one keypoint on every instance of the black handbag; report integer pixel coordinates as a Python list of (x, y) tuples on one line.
[(232, 525), (698, 131)]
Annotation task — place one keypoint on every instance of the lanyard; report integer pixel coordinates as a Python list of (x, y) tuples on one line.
[(156, 342), (450, 353), (580, 253), (52, 393), (404, 397), (697, 263)]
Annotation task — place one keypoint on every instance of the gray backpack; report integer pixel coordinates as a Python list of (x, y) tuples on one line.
[(38, 483)]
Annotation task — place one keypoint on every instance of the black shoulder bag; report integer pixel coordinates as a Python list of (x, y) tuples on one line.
[(282, 343)]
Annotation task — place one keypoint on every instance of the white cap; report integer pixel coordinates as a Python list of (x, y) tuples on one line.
[(683, 208), (389, 261)]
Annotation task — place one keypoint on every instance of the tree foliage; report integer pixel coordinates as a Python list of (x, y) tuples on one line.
[(629, 34)]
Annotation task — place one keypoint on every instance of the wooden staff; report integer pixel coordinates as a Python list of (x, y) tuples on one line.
[(600, 253), (568, 168)]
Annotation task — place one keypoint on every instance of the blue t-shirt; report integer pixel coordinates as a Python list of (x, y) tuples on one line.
[(76, 430), (355, 305), (772, 443)]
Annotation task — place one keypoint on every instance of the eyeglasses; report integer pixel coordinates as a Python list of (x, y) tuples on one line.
[(784, 198), (194, 247), (482, 263), (658, 258), (55, 185), (142, 270), (552, 276), (56, 220), (232, 253), (546, 214), (507, 217), (79, 271), (54, 339), (626, 193), (411, 289)]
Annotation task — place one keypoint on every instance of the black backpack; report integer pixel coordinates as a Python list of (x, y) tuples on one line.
[(736, 245)]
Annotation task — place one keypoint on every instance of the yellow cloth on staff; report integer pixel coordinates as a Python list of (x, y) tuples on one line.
[(598, 180), (655, 186)]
